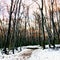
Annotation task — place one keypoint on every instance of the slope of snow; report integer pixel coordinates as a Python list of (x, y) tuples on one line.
[(47, 54)]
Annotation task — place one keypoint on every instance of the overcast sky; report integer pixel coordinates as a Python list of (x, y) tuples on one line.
[(3, 9), (33, 7)]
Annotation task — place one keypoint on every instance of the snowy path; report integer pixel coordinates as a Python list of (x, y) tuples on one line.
[(26, 54)]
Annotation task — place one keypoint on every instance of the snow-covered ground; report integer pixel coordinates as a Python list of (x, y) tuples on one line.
[(23, 55), (47, 54), (36, 54)]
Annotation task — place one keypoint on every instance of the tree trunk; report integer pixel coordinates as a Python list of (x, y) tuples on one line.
[(8, 33), (43, 25)]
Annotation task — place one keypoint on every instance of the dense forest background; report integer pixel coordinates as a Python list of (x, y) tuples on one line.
[(21, 29)]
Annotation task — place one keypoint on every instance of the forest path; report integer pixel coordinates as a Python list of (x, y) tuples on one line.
[(26, 54)]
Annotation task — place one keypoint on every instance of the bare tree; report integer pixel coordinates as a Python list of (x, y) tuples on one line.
[(43, 24), (8, 33)]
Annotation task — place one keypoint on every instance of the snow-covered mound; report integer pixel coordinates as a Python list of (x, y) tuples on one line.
[(33, 47)]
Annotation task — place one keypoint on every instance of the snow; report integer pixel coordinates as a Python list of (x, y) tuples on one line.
[(16, 56), (30, 54), (47, 54), (32, 47)]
